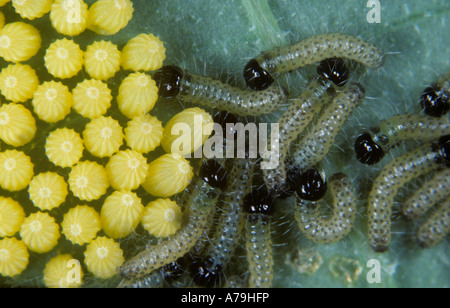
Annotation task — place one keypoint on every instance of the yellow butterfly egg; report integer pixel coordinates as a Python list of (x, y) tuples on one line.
[(13, 257), (107, 17), (47, 190), (63, 271), (187, 131), (138, 94), (31, 9), (127, 170), (103, 136), (19, 41), (103, 256), (162, 217), (16, 170), (52, 101), (81, 224), (91, 98), (102, 60), (88, 180), (17, 124), (11, 216), (69, 17), (143, 52), (64, 58), (144, 133), (18, 82), (121, 213), (64, 147), (168, 175), (40, 232)]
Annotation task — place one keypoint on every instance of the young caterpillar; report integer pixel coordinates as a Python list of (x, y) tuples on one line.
[(313, 147), (259, 73), (291, 123), (212, 179), (204, 91), (258, 208), (335, 227), (393, 176), (436, 227), (371, 148), (435, 99), (208, 271), (432, 192)]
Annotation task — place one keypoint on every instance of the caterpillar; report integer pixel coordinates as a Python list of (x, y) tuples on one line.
[(432, 192), (260, 72), (426, 158), (204, 91), (211, 181), (207, 271), (313, 147), (291, 123), (309, 184), (338, 224), (258, 207), (436, 227), (371, 148), (435, 99)]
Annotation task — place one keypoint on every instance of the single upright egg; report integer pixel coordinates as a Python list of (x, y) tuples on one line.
[(31, 9), (103, 256), (138, 94), (88, 180), (64, 58), (143, 52), (13, 257), (168, 175), (162, 217), (102, 60), (81, 224), (47, 190), (64, 147), (144, 133), (52, 101), (40, 232), (91, 98), (17, 124), (19, 41), (103, 136), (11, 216), (69, 17), (107, 17), (16, 170), (63, 271), (18, 82), (127, 170)]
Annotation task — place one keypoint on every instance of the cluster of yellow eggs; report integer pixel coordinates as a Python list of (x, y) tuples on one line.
[(25, 99)]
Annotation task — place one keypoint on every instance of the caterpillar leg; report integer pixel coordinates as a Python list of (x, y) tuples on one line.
[(335, 227), (436, 227)]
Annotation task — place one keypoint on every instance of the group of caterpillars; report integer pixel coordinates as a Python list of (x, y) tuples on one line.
[(204, 246)]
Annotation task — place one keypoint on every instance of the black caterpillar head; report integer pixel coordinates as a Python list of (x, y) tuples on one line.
[(309, 185), (174, 270), (334, 69), (435, 102), (206, 274), (442, 147), (168, 80), (259, 201), (213, 173), (256, 77), (223, 118), (368, 151)]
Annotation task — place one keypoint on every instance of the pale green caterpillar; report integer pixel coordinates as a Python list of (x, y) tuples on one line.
[(313, 147), (332, 228), (432, 192), (436, 227)]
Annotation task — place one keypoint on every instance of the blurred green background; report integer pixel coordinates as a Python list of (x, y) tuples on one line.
[(216, 38)]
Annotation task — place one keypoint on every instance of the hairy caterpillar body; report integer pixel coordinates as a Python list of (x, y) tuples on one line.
[(335, 227), (291, 123), (259, 73), (371, 148), (205, 91), (258, 208), (203, 198), (435, 99), (436, 227), (432, 192), (208, 271), (313, 147), (393, 176)]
